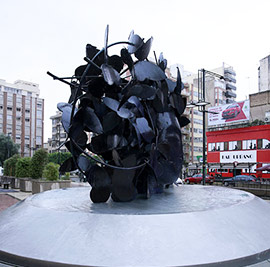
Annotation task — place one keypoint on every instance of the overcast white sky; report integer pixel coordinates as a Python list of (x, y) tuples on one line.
[(50, 35)]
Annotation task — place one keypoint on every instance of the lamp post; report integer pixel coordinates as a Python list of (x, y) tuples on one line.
[(202, 103)]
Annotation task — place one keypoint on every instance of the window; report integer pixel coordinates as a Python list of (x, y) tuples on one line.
[(9, 108), (233, 145), (9, 128), (220, 146), (197, 149), (27, 111), (265, 143), (18, 136), (39, 114), (196, 112), (198, 139), (211, 147), (18, 109), (198, 121), (27, 119), (38, 131), (39, 123), (249, 144), (38, 140), (27, 130)]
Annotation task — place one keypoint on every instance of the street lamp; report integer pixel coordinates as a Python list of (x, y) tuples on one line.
[(202, 103)]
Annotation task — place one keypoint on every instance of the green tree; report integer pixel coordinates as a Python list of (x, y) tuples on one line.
[(51, 172), (10, 165), (38, 162), (7, 148), (59, 157), (23, 167)]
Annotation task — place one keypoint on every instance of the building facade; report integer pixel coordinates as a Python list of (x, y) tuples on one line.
[(260, 106), (58, 134), (239, 151), (22, 115), (264, 74)]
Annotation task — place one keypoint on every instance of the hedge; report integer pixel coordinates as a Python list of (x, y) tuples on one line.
[(10, 165), (23, 167), (38, 162), (51, 172)]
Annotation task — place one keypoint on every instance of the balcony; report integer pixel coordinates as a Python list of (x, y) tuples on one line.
[(230, 94), (230, 86), (228, 78), (229, 101), (230, 71)]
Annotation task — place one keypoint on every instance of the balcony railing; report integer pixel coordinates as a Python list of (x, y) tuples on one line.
[(230, 79), (229, 101), (230, 94), (230, 86), (229, 70)]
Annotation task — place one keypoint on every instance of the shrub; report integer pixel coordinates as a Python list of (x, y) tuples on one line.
[(51, 172), (23, 167), (57, 157), (66, 176), (10, 165), (38, 162)]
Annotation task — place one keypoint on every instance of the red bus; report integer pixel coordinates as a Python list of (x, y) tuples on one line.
[(239, 151)]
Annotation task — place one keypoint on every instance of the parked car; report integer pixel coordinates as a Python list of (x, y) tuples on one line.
[(231, 111), (197, 179), (238, 178)]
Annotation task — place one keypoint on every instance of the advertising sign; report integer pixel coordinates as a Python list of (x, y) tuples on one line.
[(235, 112), (238, 156)]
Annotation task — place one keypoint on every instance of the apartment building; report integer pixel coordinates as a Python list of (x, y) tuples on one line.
[(264, 74), (229, 92), (58, 134), (22, 115)]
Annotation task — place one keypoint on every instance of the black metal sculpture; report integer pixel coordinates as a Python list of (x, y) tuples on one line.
[(133, 112)]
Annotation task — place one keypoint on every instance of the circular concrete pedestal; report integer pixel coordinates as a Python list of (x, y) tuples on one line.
[(185, 226)]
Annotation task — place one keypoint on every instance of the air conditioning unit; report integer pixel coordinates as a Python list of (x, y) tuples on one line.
[(267, 119)]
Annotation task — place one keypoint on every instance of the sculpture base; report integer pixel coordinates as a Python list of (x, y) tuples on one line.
[(185, 226)]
